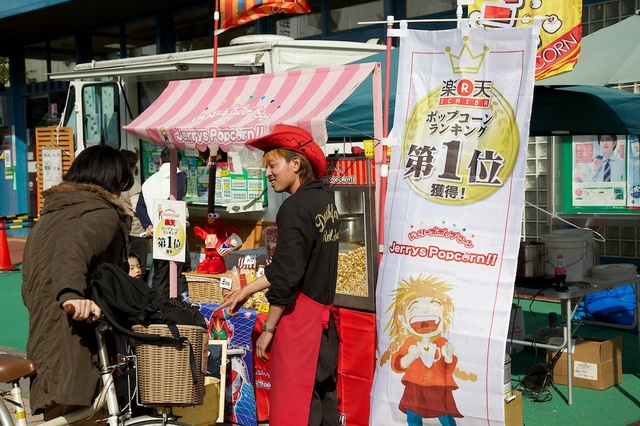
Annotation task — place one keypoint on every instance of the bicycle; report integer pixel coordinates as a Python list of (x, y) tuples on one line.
[(13, 368)]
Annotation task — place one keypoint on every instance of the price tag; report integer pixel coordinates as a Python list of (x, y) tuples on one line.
[(226, 283)]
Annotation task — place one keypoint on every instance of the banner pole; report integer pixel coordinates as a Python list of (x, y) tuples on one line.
[(216, 27), (384, 167)]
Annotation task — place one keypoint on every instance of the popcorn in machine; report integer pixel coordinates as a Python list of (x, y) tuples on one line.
[(352, 180)]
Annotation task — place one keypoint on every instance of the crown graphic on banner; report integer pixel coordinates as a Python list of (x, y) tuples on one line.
[(466, 61)]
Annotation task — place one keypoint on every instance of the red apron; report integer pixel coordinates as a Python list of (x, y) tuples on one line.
[(294, 359)]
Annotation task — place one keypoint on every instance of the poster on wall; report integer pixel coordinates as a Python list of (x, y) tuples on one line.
[(599, 171), (150, 157), (51, 167), (452, 220)]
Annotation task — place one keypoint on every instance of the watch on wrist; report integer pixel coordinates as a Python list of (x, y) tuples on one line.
[(268, 329)]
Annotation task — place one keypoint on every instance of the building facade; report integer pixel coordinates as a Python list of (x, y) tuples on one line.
[(41, 40)]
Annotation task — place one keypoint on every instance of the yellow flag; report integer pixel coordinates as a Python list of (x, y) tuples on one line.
[(560, 35)]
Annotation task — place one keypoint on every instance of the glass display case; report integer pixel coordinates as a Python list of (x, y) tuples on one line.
[(351, 179)]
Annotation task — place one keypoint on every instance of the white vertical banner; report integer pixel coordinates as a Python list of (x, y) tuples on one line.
[(452, 224)]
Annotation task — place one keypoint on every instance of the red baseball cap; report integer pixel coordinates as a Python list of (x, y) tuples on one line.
[(296, 139)]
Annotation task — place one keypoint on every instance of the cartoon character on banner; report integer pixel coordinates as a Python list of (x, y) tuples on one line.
[(218, 242), (219, 327), (422, 312)]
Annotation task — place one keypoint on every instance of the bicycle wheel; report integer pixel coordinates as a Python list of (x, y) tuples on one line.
[(6, 418)]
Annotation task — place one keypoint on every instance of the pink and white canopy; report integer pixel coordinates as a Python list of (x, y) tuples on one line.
[(226, 112)]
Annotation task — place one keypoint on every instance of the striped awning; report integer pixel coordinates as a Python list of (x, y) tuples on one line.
[(226, 112)]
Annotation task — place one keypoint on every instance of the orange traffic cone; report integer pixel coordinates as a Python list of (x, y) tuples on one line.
[(5, 259)]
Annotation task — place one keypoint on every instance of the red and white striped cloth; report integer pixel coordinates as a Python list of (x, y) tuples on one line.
[(227, 112)]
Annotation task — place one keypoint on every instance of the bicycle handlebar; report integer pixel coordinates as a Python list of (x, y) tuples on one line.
[(71, 310)]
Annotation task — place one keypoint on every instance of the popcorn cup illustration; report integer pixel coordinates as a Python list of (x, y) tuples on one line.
[(230, 244)]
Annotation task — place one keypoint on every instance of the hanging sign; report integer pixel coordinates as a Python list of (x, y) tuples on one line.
[(169, 234)]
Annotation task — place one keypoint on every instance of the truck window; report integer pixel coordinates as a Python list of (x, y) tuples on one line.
[(101, 114)]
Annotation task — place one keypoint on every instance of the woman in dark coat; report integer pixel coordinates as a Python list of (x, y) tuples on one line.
[(82, 224)]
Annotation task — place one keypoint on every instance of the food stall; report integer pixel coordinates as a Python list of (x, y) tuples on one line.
[(223, 113)]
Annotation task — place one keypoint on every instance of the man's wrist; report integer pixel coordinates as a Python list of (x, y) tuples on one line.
[(268, 329)]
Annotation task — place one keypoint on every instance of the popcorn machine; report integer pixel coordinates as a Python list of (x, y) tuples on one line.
[(352, 180)]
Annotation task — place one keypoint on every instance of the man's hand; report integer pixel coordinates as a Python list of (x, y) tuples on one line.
[(262, 344), (234, 302)]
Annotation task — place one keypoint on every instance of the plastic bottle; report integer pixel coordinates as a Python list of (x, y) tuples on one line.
[(560, 272)]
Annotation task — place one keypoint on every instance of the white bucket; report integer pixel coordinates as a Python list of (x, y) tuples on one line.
[(571, 248), (587, 235)]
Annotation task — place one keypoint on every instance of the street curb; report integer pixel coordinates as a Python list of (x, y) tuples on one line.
[(12, 351)]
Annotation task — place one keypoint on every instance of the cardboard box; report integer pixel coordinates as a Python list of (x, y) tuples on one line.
[(597, 364), (513, 410)]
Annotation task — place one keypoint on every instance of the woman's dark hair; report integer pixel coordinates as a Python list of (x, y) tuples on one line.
[(103, 166), (132, 159)]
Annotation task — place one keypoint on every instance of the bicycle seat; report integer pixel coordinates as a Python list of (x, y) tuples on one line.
[(13, 368)]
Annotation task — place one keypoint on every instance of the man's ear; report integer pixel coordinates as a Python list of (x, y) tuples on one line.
[(296, 163)]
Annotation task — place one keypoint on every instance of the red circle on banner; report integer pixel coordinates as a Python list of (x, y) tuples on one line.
[(465, 87)]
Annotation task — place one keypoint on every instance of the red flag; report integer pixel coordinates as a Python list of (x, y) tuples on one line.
[(238, 12)]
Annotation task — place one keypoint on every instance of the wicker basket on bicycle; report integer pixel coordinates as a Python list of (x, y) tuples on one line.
[(172, 375)]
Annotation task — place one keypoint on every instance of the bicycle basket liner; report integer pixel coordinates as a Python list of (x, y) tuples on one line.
[(165, 373)]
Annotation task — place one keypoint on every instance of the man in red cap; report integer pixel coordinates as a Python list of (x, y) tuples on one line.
[(302, 282)]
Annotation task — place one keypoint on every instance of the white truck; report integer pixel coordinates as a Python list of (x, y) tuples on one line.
[(105, 95)]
